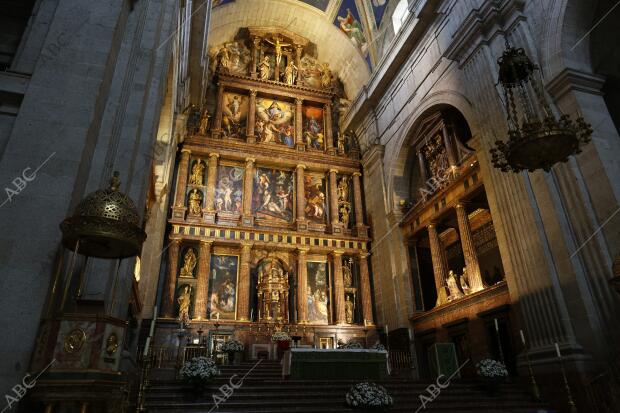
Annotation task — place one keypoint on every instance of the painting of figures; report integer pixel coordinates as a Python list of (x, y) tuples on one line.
[(273, 195), (378, 8), (229, 189), (234, 115), (348, 20), (223, 286), (316, 202), (275, 122), (318, 302), (313, 128)]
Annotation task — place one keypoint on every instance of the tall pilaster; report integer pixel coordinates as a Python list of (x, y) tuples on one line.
[(247, 218), (179, 209), (302, 285), (333, 202), (243, 298), (298, 50), (255, 44), (440, 268), (329, 130), (469, 250), (299, 138), (339, 288), (209, 210), (302, 224), (251, 117), (202, 284), (362, 230), (365, 290), (217, 124), (171, 278)]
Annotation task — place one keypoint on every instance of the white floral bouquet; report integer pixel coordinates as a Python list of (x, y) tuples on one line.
[(364, 395), (379, 347), (232, 346), (199, 369), (491, 369), (351, 345), (280, 336)]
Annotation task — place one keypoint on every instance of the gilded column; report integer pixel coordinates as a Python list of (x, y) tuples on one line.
[(255, 44), (299, 139), (251, 117), (243, 298), (329, 129), (440, 268), (301, 198), (178, 211), (209, 210), (217, 124), (247, 218), (302, 285), (202, 284), (365, 290), (362, 230), (333, 202), (171, 278), (339, 288), (469, 250), (449, 143), (298, 50)]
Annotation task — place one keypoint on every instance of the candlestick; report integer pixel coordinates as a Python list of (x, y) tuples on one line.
[(251, 314), (557, 350), (496, 325), (146, 346), (410, 334), (386, 329), (522, 337)]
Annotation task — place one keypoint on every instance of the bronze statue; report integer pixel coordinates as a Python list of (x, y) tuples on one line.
[(345, 215), (343, 190), (204, 122), (224, 57), (265, 68), (196, 178), (189, 263), (455, 293), (278, 45), (464, 283), (195, 202), (184, 301), (348, 310), (340, 143), (290, 73), (348, 274)]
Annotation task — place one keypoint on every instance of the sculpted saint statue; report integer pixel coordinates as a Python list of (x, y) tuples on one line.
[(290, 73), (195, 202), (348, 310), (224, 57), (189, 263), (264, 68), (453, 286), (348, 274), (184, 301), (343, 190), (464, 283), (196, 178), (345, 215), (204, 122), (340, 142)]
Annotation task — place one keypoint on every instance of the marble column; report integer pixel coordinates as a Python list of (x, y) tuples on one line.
[(243, 298), (329, 129), (449, 143), (217, 124), (247, 218), (339, 288), (366, 297), (298, 50), (469, 250), (333, 202), (362, 230), (171, 279), (202, 284), (299, 138), (209, 209), (255, 44), (251, 117), (302, 285), (301, 198), (440, 267), (179, 209)]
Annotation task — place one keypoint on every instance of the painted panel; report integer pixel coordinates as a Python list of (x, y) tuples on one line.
[(313, 127), (235, 115), (378, 9), (223, 286), (229, 189), (316, 200), (349, 22), (318, 293), (273, 195), (275, 122)]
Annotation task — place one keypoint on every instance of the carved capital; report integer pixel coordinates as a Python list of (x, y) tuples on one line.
[(333, 171), (299, 101), (214, 155), (186, 151), (356, 173), (301, 166), (250, 160), (253, 92)]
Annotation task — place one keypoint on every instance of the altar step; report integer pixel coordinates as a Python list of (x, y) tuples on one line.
[(264, 391)]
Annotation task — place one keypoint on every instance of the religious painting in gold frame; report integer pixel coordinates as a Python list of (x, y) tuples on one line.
[(313, 129), (316, 198), (273, 196), (275, 122), (223, 282), (317, 287), (229, 188), (234, 115)]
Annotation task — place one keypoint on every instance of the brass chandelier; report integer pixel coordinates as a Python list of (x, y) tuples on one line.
[(537, 139)]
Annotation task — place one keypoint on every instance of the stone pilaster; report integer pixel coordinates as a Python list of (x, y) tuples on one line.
[(217, 124), (209, 210), (362, 229), (333, 202), (255, 44), (339, 289), (179, 209), (243, 298), (366, 297), (302, 285), (251, 117), (299, 138), (302, 224), (298, 50), (440, 268), (170, 284), (469, 250), (247, 219), (202, 284), (329, 130)]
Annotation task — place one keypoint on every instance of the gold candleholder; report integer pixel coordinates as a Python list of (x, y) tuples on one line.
[(569, 394)]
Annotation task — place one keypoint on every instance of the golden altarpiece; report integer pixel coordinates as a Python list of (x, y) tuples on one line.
[(267, 229)]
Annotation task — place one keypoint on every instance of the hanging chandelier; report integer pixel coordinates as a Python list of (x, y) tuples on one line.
[(537, 139)]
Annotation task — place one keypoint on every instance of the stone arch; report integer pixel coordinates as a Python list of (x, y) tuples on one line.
[(398, 154), (282, 256)]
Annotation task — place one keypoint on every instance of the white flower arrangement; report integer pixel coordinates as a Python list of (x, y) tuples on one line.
[(491, 369), (364, 395), (280, 336), (379, 347), (232, 345), (199, 369), (352, 345)]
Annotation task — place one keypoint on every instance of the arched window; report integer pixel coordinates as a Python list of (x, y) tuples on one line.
[(400, 14)]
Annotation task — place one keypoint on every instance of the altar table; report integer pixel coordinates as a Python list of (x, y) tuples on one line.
[(310, 363)]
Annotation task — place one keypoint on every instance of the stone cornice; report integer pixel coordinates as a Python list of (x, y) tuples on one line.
[(569, 80)]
